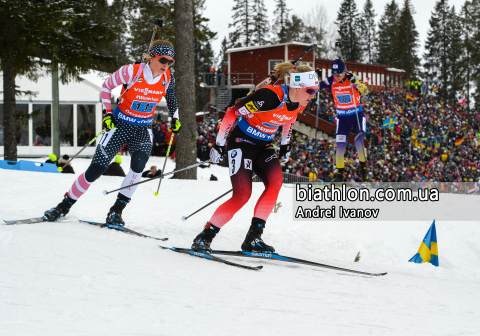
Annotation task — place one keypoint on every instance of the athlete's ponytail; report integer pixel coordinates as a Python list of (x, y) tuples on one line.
[(284, 69)]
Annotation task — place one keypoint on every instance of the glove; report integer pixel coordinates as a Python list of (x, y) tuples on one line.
[(176, 125), (109, 121), (352, 77), (319, 72), (362, 88), (216, 153), (285, 152)]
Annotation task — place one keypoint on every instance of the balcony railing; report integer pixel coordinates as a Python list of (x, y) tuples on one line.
[(215, 79)]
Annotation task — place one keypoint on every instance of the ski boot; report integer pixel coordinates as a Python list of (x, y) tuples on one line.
[(114, 216), (364, 172), (60, 210), (253, 241), (202, 242), (339, 177)]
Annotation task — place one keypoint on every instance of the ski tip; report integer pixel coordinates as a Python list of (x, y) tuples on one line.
[(184, 218), (162, 239), (258, 267), (381, 274), (105, 193)]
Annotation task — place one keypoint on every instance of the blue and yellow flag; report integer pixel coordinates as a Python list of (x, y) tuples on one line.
[(437, 141), (389, 123), (428, 251)]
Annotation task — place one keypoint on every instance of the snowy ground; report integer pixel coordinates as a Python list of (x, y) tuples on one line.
[(71, 278)]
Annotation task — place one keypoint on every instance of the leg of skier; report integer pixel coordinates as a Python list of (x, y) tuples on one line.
[(240, 168), (108, 146), (140, 147), (359, 130), (267, 167)]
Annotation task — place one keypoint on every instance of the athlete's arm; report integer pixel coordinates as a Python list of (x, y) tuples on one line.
[(287, 131), (171, 99), (357, 83), (261, 100), (225, 127), (326, 83), (124, 75)]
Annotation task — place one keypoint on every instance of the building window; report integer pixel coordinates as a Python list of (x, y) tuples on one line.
[(271, 65), (22, 124), (329, 72), (65, 116), (324, 73), (85, 124), (42, 124)]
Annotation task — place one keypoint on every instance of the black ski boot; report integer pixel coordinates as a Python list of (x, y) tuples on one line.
[(363, 172), (339, 177), (60, 210), (202, 242), (115, 214), (253, 241)]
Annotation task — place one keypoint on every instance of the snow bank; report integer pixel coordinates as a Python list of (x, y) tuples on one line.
[(70, 278)]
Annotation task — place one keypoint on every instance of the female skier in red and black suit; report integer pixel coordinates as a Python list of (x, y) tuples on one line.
[(250, 150)]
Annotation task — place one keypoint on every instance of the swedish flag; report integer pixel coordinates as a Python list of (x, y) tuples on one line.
[(428, 251), (388, 123)]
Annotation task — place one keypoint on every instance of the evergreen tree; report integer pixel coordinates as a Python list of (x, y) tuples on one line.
[(279, 27), (223, 57), (443, 51), (386, 33), (470, 16), (203, 53), (405, 43), (260, 23), (369, 32), (243, 24), (295, 30), (457, 57), (349, 30), (142, 14), (115, 16), (40, 33)]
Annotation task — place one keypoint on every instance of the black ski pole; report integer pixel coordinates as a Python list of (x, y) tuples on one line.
[(165, 162), (156, 177), (184, 218), (60, 169)]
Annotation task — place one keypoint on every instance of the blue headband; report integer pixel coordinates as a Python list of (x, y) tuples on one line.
[(160, 50)]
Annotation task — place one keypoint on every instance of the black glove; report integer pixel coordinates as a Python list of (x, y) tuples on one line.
[(176, 125), (109, 121), (351, 77), (319, 72), (285, 152), (216, 153)]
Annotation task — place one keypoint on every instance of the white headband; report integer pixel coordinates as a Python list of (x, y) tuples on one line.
[(303, 79)]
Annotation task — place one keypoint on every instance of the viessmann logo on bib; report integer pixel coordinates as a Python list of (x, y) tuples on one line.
[(146, 91)]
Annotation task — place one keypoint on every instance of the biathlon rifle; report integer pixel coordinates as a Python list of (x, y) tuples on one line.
[(272, 79)]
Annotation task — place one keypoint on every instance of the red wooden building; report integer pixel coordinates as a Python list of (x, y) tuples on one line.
[(248, 66)]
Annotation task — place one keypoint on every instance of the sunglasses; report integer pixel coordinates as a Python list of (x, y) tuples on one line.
[(338, 74), (311, 91), (165, 60)]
